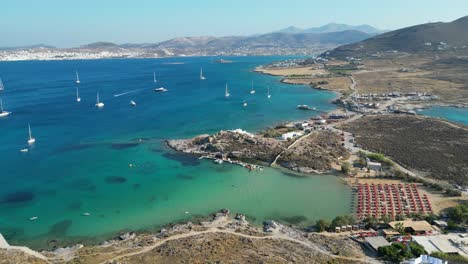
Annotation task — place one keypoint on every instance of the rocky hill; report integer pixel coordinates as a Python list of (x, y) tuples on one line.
[(416, 39)]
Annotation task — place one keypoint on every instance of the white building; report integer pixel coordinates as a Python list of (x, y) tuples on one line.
[(425, 259), (291, 135)]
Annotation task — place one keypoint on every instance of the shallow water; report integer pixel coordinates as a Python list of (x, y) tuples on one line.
[(89, 160), (459, 115)]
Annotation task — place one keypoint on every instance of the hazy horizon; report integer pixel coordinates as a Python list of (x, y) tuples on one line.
[(145, 21)]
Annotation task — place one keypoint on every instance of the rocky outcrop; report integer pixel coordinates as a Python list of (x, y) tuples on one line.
[(233, 145)]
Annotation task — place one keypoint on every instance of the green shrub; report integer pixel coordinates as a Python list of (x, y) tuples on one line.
[(322, 225)]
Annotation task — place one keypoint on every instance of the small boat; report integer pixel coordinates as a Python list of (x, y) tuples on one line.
[(226, 91), (218, 161), (98, 104), (268, 93), (86, 214), (78, 99), (304, 107), (252, 90), (3, 113), (160, 89), (2, 88), (31, 140), (154, 78), (201, 75), (33, 218), (77, 81), (132, 103), (24, 150), (244, 104)]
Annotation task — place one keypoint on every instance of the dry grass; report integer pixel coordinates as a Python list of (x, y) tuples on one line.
[(309, 70)]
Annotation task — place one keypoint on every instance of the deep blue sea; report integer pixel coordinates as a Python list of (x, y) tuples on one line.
[(113, 164)]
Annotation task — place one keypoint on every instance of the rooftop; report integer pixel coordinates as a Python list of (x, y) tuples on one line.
[(417, 226)]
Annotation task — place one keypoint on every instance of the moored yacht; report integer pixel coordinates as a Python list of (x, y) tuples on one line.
[(98, 104), (226, 91), (3, 113), (160, 89), (201, 74), (132, 103), (77, 81), (31, 140), (78, 98), (244, 104), (252, 90)]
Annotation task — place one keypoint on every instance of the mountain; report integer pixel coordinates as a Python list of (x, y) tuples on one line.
[(290, 29), (278, 39), (419, 38), (334, 27), (35, 46), (100, 45)]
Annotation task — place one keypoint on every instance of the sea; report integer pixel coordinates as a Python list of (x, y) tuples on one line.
[(94, 173), (453, 114)]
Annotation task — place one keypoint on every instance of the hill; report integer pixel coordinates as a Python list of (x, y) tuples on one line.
[(332, 27), (278, 39), (420, 38)]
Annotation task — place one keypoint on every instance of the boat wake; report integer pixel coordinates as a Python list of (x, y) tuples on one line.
[(134, 91)]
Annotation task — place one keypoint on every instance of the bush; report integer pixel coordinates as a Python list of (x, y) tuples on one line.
[(397, 252), (322, 225), (345, 167), (343, 220), (451, 258), (453, 192), (458, 214)]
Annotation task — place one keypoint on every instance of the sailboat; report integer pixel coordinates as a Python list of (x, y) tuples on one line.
[(31, 140), (244, 104), (268, 94), (3, 113), (99, 104), (77, 78), (154, 77), (252, 91), (201, 74), (226, 92), (2, 88), (78, 98)]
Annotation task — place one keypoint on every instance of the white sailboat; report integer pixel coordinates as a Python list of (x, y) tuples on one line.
[(3, 113), (244, 104), (99, 104), (78, 98), (154, 77), (77, 78), (252, 91), (201, 74), (268, 94), (132, 103), (31, 140), (226, 91), (2, 88)]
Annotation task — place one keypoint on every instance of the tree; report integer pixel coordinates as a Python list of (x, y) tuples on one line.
[(416, 249), (322, 225), (459, 213), (400, 228), (345, 167)]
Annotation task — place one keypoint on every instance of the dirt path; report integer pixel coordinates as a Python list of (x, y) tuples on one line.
[(278, 236), (290, 146)]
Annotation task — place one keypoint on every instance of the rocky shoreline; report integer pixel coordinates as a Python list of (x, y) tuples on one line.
[(315, 153), (222, 237)]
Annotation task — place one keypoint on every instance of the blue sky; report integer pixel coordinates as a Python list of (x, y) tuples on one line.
[(66, 23)]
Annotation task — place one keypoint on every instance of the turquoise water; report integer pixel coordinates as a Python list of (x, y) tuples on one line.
[(459, 115), (113, 163)]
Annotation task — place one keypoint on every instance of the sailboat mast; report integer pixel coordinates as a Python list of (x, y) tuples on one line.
[(77, 77), (1, 106), (29, 129), (1, 85), (154, 77), (77, 93), (97, 98), (201, 72)]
